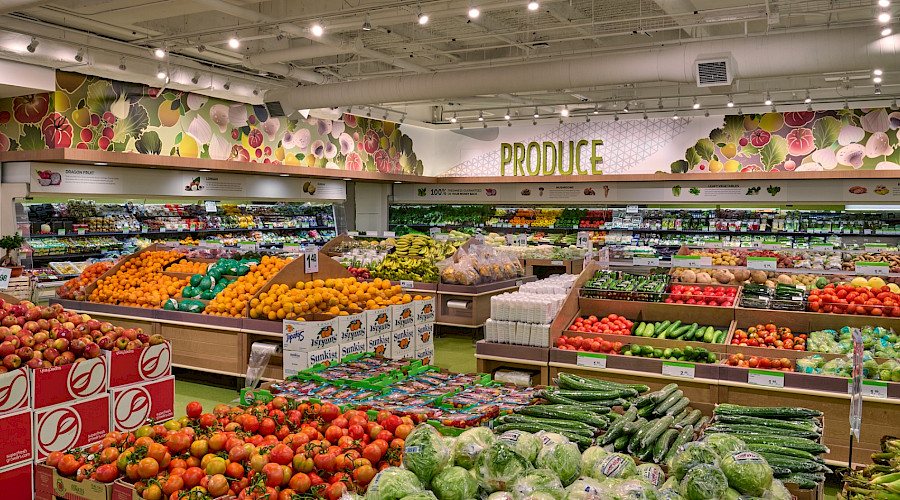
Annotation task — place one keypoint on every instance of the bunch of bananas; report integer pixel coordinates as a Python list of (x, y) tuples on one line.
[(414, 245), (400, 267)]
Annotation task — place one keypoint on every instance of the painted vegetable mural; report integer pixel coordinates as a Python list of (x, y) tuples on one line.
[(88, 112), (798, 141)]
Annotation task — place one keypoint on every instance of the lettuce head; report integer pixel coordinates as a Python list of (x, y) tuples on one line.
[(591, 456), (634, 489), (614, 465), (704, 482), (498, 466), (393, 483), (454, 483), (584, 488), (524, 443), (538, 481), (563, 459), (691, 455), (724, 444), (425, 453), (652, 474), (747, 472), (470, 444)]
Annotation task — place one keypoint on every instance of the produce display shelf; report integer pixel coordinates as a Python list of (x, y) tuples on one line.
[(69, 256), (182, 231), (782, 270)]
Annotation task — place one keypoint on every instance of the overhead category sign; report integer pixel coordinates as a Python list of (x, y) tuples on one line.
[(550, 158)]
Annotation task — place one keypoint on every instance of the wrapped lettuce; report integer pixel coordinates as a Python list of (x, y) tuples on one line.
[(498, 466), (470, 444), (393, 483), (689, 456), (615, 465), (538, 481), (454, 483), (747, 472), (652, 474), (425, 453), (524, 443), (422, 495), (563, 459), (724, 444), (704, 482), (731, 494), (500, 495), (669, 494), (584, 488), (777, 491), (548, 438), (634, 489), (591, 456)]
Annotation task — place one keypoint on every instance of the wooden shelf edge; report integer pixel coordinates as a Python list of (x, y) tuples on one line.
[(517, 361), (619, 371), (208, 370)]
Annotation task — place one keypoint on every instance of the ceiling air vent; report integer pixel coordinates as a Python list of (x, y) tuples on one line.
[(274, 108), (714, 72)]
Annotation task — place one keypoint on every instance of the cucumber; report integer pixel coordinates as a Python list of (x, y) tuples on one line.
[(653, 398), (532, 427), (662, 444), (761, 431), (661, 327), (786, 441), (781, 450), (566, 425), (632, 427), (795, 464), (709, 335), (656, 430), (674, 326), (719, 337), (639, 331), (678, 406), (691, 419), (783, 413), (681, 415), (686, 435), (802, 425), (621, 442), (604, 384), (564, 413), (634, 444), (646, 411), (667, 403), (615, 430), (680, 332), (592, 395), (804, 480), (692, 330)]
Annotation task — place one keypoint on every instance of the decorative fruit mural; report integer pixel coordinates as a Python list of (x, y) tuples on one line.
[(88, 112), (798, 141)]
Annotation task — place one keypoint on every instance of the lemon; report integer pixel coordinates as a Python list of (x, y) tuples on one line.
[(771, 122), (876, 282), (729, 150), (858, 281), (715, 166), (732, 166), (291, 160), (894, 288), (188, 147)]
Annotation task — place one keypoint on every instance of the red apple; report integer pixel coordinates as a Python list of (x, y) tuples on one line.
[(6, 348), (12, 361), (25, 353), (4, 331), (50, 354), (106, 327), (41, 336), (91, 350), (77, 346), (93, 324), (156, 339), (133, 344), (122, 343), (143, 338), (28, 340), (40, 347), (70, 357), (106, 342), (130, 334), (15, 329), (62, 345), (65, 333), (12, 339), (33, 314), (35, 363)]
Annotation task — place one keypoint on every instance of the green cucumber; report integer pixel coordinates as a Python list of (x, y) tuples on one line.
[(661, 327), (783, 413), (604, 384), (795, 464), (656, 430), (803, 425), (634, 426), (593, 395), (662, 444), (674, 326), (781, 450), (786, 441), (621, 443), (709, 335), (573, 415), (804, 480), (532, 427), (692, 418), (615, 430), (668, 402), (566, 425), (762, 431), (686, 434), (681, 404), (653, 398)]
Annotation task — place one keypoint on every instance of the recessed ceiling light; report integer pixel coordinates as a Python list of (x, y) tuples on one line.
[(398, 182), (886, 31), (317, 29), (884, 17), (565, 111), (696, 103), (877, 79), (160, 53), (877, 72), (205, 170), (768, 101), (423, 18), (884, 3), (284, 175), (347, 179), (473, 11), (233, 42), (808, 98)]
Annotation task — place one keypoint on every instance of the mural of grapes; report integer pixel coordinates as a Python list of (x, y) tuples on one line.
[(93, 113)]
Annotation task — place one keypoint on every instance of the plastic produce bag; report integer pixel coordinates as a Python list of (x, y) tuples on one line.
[(590, 457), (584, 488), (538, 480), (470, 444), (498, 466), (703, 482), (425, 453), (524, 443), (691, 455), (563, 459), (393, 483), (454, 483)]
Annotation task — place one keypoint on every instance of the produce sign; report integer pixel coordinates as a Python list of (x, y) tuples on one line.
[(771, 336)]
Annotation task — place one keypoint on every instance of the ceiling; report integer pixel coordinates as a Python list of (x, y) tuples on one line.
[(195, 34)]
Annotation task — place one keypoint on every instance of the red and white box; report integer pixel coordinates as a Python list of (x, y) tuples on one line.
[(15, 390), (17, 482), (62, 384), (16, 444), (47, 481), (133, 405), (71, 425), (136, 366)]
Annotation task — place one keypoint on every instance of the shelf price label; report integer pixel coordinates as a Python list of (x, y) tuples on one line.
[(510, 239), (584, 240), (875, 247), (407, 284), (770, 245), (870, 388), (765, 378), (389, 234), (4, 277), (81, 231), (591, 360), (644, 260), (210, 207), (248, 246), (712, 244), (61, 232), (442, 237), (556, 263), (291, 247), (691, 260), (433, 231), (352, 233), (673, 369), (311, 259), (522, 240), (762, 263), (873, 268)]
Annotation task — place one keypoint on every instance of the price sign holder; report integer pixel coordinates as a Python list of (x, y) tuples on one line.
[(645, 260), (61, 232), (873, 268), (767, 378), (591, 360), (311, 259), (433, 231), (5, 273), (522, 240), (583, 240), (389, 234), (510, 239), (762, 263), (352, 233), (673, 369), (210, 207), (407, 284)]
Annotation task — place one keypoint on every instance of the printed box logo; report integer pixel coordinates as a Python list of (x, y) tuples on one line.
[(323, 337), (309, 335), (424, 310), (80, 380), (134, 366), (380, 321), (326, 356), (134, 405), (379, 344), (156, 361), (403, 316), (356, 347), (14, 390), (86, 379), (58, 430), (72, 425)]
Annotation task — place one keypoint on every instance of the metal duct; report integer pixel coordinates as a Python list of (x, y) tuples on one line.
[(8, 6), (804, 53), (299, 53)]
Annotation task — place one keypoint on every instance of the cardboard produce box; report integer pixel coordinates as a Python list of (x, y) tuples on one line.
[(62, 384), (135, 366), (15, 390), (16, 445), (134, 405), (70, 425), (46, 479), (17, 483)]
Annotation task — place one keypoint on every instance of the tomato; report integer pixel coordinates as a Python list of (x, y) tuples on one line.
[(373, 452), (333, 433), (217, 485), (53, 458), (310, 432), (329, 412), (153, 492), (172, 484), (178, 442), (156, 451), (267, 427), (281, 454), (356, 431), (194, 409), (385, 435), (325, 462), (336, 491), (300, 483), (192, 477), (215, 466), (274, 474), (302, 463), (364, 474), (108, 455), (249, 422), (148, 468), (68, 465), (106, 473), (346, 443), (402, 431)]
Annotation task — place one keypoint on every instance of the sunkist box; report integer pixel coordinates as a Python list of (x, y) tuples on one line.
[(379, 344), (330, 355), (70, 425), (352, 327), (17, 482), (133, 405), (294, 362), (61, 384), (134, 366), (425, 355), (354, 347), (425, 336), (310, 335), (16, 444), (403, 343), (404, 316), (15, 390), (379, 321), (423, 310)]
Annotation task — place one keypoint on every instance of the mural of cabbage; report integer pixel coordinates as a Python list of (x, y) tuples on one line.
[(866, 139), (87, 112)]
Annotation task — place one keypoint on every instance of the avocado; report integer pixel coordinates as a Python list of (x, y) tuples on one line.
[(195, 279)]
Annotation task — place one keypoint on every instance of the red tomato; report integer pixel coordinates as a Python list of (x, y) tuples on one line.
[(329, 412), (300, 483)]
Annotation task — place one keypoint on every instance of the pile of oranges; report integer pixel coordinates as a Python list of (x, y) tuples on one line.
[(187, 266), (74, 288), (140, 282), (234, 299), (340, 297)]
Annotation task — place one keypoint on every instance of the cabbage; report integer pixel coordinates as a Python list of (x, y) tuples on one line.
[(450, 441), (500, 495), (691, 455), (538, 481), (747, 472), (777, 492), (498, 466), (421, 495), (524, 443), (584, 488), (540, 495), (454, 483), (651, 473), (704, 482), (724, 444), (669, 494), (470, 444), (548, 438), (731, 494), (425, 453), (634, 489), (563, 459), (591, 456), (614, 465), (393, 483)]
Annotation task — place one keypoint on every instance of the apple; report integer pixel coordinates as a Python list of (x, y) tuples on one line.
[(77, 346), (95, 335), (39, 354), (65, 333), (4, 331), (12, 339), (122, 343), (20, 320), (50, 354), (120, 330), (106, 342), (156, 339), (91, 350), (41, 336), (28, 340), (12, 361), (25, 353), (47, 313), (35, 363), (60, 361), (9, 320), (15, 329), (106, 327), (33, 314), (143, 338), (93, 324), (130, 334), (133, 344), (77, 319), (62, 345), (70, 357), (40, 346), (6, 348)]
